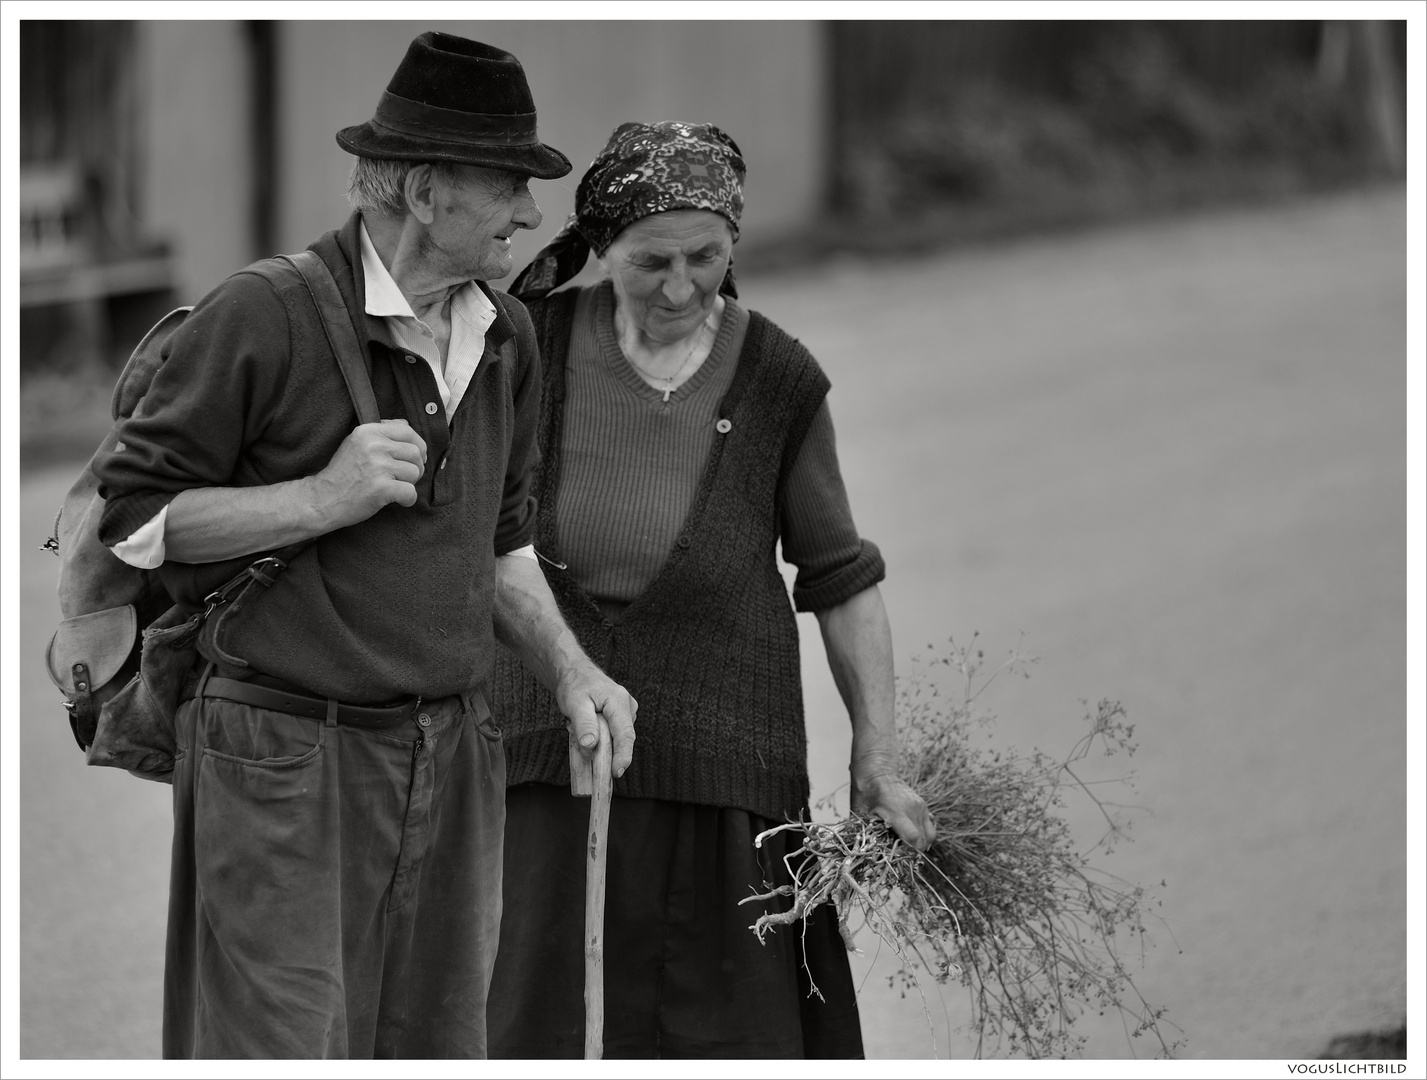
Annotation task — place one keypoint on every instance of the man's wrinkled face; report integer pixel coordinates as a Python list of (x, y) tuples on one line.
[(474, 219)]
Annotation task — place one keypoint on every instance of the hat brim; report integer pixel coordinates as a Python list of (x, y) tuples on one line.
[(533, 159)]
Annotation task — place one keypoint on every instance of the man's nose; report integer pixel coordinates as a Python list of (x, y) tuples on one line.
[(527, 213)]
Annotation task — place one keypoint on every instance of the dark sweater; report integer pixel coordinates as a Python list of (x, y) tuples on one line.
[(710, 648), (394, 606)]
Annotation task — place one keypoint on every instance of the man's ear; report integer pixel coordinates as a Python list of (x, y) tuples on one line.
[(421, 194)]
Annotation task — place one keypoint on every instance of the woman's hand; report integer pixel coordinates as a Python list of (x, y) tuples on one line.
[(858, 640), (892, 799)]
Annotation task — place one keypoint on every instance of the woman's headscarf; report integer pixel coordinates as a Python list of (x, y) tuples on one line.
[(644, 169)]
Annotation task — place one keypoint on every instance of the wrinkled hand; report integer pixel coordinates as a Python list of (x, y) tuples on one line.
[(889, 797), (586, 693), (376, 464)]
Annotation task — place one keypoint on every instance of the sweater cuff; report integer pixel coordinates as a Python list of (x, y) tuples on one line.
[(507, 543), (829, 589), (125, 515)]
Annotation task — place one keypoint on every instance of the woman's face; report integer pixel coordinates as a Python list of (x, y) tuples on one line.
[(666, 271)]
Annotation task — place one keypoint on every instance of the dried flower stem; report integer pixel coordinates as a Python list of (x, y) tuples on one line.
[(1003, 902)]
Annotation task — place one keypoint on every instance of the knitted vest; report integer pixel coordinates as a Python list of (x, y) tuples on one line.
[(710, 649)]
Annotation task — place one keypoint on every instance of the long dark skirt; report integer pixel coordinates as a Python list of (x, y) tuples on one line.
[(685, 977)]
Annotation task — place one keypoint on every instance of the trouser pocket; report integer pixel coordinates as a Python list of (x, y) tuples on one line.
[(480, 712)]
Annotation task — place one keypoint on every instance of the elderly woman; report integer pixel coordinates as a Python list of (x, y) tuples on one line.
[(683, 437)]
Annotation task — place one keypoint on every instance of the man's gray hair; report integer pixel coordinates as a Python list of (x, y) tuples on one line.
[(378, 185)]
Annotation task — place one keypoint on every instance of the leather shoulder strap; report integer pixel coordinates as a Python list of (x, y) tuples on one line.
[(342, 337), (337, 322)]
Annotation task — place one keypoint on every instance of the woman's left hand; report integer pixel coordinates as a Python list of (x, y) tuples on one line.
[(858, 640), (889, 797)]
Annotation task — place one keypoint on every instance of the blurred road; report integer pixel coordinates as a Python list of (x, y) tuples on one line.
[(1172, 455)]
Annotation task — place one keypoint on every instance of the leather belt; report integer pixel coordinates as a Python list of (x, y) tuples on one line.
[(299, 704)]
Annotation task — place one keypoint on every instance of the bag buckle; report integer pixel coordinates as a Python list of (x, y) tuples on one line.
[(264, 571)]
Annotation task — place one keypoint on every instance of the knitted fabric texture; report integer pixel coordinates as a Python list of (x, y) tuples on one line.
[(630, 466), (710, 649)]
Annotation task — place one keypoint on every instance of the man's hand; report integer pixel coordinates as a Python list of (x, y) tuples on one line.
[(584, 693), (528, 621), (376, 464), (888, 796)]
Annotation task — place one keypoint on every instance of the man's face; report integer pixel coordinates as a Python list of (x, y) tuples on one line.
[(469, 237)]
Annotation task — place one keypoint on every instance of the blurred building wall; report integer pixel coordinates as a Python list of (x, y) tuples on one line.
[(194, 113), (763, 82)]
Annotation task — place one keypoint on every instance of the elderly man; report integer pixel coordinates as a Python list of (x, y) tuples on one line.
[(338, 795)]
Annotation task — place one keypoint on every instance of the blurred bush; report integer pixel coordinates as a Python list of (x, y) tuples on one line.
[(1120, 118)]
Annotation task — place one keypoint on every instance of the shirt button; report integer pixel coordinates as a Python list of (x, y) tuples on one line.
[(410, 359), (424, 720), (724, 426), (431, 408)]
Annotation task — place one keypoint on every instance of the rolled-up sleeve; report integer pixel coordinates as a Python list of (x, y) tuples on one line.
[(819, 536), (144, 547)]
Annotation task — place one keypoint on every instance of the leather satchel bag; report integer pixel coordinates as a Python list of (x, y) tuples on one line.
[(124, 649)]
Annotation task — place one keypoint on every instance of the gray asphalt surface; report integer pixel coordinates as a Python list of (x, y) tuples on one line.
[(1169, 455)]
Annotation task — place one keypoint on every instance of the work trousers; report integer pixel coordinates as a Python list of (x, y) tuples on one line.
[(335, 891)]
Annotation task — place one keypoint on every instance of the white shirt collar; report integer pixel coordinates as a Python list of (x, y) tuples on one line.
[(385, 299)]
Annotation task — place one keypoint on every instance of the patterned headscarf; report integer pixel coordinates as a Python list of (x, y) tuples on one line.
[(644, 169)]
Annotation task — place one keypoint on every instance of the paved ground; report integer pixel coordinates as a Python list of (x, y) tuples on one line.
[(1172, 457)]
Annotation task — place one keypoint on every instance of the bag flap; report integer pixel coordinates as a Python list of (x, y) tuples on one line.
[(102, 640), (91, 577)]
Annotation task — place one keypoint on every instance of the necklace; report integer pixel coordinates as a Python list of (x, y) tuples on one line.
[(669, 380)]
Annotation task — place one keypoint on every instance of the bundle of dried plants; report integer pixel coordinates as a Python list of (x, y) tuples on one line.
[(1004, 902)]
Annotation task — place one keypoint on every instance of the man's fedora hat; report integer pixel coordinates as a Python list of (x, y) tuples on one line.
[(457, 100)]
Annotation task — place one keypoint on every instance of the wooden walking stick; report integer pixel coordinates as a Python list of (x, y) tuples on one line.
[(592, 778)]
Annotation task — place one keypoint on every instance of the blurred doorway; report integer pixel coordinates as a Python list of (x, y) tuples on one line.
[(90, 277)]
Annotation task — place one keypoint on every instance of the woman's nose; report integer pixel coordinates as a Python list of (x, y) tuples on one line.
[(678, 287)]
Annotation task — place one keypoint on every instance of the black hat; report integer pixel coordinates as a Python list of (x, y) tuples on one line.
[(458, 100)]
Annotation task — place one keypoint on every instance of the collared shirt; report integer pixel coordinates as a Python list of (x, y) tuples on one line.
[(471, 315)]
